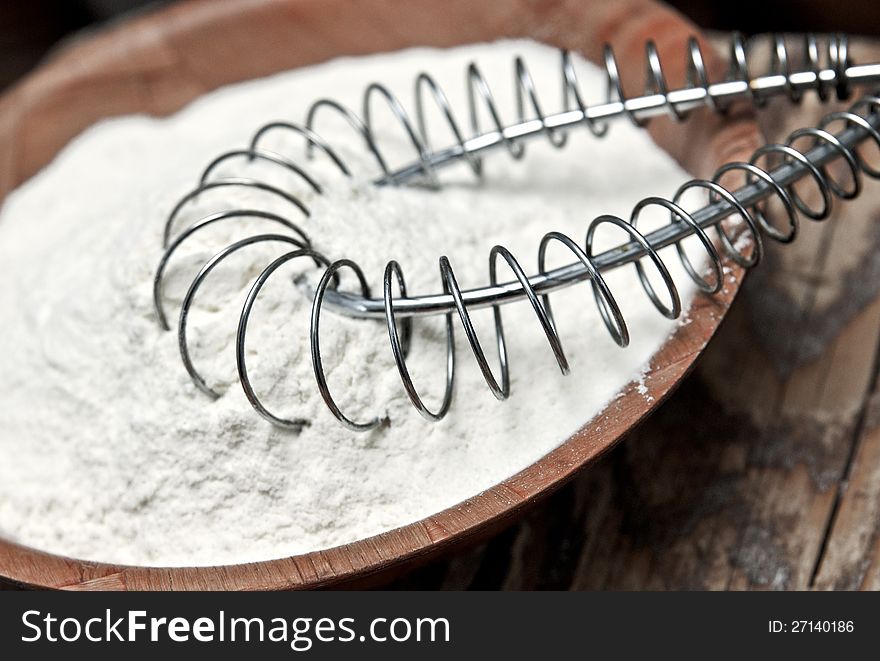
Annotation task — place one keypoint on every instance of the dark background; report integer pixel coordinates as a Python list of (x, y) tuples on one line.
[(29, 29)]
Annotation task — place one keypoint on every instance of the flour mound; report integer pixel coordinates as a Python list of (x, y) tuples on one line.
[(108, 452)]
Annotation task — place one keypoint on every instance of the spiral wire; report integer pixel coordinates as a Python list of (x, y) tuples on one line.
[(667, 301), (479, 95), (772, 170)]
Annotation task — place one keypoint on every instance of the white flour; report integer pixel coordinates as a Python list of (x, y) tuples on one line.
[(107, 452)]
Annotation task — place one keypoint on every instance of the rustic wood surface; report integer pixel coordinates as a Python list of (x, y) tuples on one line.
[(763, 470), (735, 483)]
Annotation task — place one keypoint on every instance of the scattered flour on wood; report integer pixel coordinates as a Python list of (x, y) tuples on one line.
[(107, 452)]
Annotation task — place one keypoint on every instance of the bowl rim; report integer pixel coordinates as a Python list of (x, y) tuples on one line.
[(358, 562)]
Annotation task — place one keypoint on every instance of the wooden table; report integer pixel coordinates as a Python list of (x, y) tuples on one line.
[(763, 470)]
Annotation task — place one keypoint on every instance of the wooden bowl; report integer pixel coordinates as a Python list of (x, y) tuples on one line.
[(163, 60)]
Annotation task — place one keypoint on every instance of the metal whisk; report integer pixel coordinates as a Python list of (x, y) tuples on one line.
[(822, 70)]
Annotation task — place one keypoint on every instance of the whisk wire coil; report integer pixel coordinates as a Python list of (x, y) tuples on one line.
[(771, 172)]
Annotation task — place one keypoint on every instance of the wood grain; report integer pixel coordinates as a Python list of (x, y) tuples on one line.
[(161, 61)]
